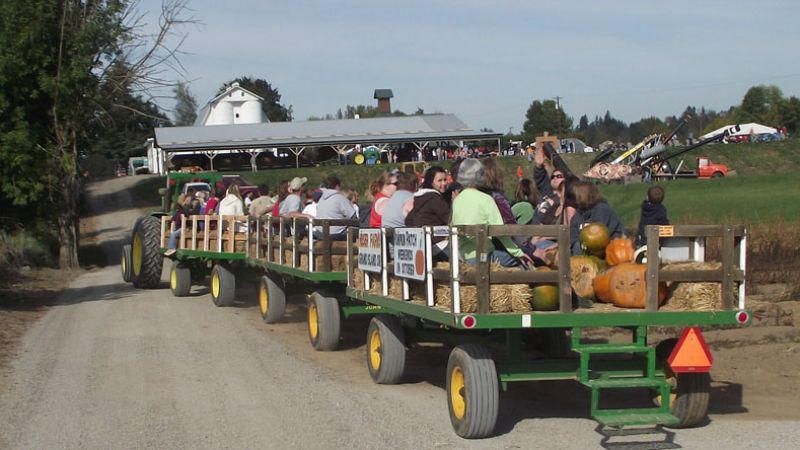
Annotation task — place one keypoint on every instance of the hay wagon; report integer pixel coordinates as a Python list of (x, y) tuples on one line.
[(496, 340), (480, 311)]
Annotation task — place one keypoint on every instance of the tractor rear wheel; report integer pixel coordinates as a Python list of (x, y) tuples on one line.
[(146, 259)]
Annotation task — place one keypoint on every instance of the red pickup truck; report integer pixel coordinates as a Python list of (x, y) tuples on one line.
[(709, 169), (706, 169)]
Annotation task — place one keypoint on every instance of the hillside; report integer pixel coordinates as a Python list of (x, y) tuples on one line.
[(764, 187)]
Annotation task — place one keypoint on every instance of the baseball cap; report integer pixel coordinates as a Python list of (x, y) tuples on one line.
[(297, 183)]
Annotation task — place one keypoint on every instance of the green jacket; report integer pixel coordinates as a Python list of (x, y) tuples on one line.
[(473, 207)]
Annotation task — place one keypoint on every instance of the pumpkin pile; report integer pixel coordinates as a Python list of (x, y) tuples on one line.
[(607, 273)]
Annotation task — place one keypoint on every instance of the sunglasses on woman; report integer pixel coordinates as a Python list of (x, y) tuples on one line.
[(556, 176)]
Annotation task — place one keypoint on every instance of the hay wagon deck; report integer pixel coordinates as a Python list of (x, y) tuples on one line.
[(411, 299)]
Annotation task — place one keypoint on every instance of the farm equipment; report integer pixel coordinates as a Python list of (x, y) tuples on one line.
[(651, 157), (370, 156), (411, 299)]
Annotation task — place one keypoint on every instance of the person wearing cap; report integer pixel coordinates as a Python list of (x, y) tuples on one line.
[(335, 206), (473, 207), (292, 205)]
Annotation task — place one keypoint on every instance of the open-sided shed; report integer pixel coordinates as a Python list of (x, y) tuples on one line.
[(254, 139)]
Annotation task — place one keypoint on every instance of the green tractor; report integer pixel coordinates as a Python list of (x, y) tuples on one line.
[(142, 258)]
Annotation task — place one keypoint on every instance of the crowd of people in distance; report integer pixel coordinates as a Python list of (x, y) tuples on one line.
[(471, 192)]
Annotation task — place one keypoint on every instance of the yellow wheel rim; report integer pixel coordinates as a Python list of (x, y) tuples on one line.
[(313, 321), (263, 299), (457, 393), (375, 350), (136, 253), (122, 263), (173, 279), (359, 159), (215, 285)]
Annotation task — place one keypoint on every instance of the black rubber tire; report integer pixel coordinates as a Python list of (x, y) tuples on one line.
[(718, 175), (692, 391), (386, 349), (125, 263), (324, 322), (473, 394), (271, 298), (223, 285), (180, 279), (146, 259)]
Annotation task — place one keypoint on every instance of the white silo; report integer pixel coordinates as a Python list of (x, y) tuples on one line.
[(250, 112), (221, 114)]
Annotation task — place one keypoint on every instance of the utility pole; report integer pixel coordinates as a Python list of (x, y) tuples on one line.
[(558, 98)]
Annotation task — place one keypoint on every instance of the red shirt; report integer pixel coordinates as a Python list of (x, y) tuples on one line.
[(375, 218)]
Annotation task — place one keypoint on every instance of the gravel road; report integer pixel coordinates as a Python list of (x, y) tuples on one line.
[(114, 367)]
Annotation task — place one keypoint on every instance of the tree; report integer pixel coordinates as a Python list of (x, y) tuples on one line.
[(67, 64), (761, 104), (273, 109), (185, 106), (545, 116)]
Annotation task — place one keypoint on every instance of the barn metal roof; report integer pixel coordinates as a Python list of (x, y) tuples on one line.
[(434, 127)]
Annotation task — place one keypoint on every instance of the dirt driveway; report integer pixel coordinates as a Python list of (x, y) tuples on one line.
[(109, 366)]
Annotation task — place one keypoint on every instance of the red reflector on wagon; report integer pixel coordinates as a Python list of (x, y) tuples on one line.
[(691, 353), (742, 317), (468, 321)]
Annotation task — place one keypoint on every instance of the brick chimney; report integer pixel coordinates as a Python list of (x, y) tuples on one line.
[(384, 100)]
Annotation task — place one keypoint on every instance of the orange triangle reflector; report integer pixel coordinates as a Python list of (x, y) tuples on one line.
[(691, 353)]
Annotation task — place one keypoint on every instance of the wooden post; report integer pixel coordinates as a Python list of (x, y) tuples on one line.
[(653, 260), (728, 248), (295, 255), (564, 286), (482, 269), (326, 246), (194, 232), (350, 253)]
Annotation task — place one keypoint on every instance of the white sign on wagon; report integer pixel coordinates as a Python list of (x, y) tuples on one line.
[(409, 253), (369, 249)]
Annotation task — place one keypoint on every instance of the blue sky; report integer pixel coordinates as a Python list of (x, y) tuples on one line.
[(486, 61)]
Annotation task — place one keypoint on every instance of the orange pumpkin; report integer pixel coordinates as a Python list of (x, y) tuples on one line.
[(594, 238), (629, 288), (619, 251), (602, 286)]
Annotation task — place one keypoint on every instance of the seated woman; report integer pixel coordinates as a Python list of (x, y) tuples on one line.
[(334, 205), (591, 208), (430, 207), (386, 186), (473, 207)]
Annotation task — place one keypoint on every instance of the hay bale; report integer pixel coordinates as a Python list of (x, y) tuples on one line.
[(503, 297), (687, 296)]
